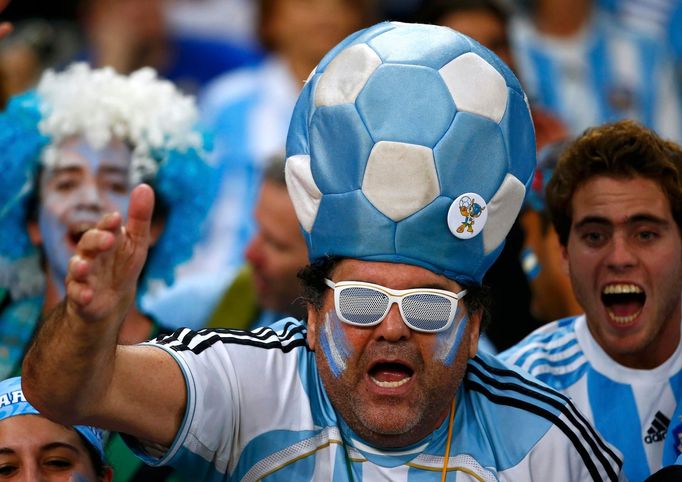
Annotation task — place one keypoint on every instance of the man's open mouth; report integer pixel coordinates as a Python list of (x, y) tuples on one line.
[(623, 301), (390, 374)]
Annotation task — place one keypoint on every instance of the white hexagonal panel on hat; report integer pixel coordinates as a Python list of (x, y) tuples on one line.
[(476, 86), (502, 211), (346, 75), (400, 179), (303, 191)]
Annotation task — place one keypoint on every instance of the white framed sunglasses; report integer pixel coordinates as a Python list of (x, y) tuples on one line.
[(423, 309)]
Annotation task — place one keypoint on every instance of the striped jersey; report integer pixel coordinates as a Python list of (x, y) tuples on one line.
[(257, 410), (604, 73), (630, 408)]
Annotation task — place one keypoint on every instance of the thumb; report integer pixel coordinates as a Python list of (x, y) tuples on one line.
[(140, 212)]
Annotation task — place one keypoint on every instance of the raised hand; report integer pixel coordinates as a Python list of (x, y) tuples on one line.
[(102, 276)]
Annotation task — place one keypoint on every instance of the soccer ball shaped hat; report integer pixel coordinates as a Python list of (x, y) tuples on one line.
[(410, 144)]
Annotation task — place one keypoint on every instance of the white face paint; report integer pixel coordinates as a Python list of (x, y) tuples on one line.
[(83, 184)]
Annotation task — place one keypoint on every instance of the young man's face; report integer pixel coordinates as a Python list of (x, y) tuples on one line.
[(391, 384), (624, 255), (75, 192), (32, 448), (278, 251)]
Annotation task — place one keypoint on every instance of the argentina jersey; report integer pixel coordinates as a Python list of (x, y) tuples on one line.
[(632, 409), (257, 410), (604, 73)]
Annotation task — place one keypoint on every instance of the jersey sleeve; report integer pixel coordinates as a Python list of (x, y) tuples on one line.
[(232, 378)]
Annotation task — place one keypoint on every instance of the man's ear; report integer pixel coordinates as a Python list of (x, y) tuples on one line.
[(313, 320), (474, 332), (34, 233)]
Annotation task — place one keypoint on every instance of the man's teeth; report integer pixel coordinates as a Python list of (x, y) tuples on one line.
[(619, 289), (622, 320), (391, 384)]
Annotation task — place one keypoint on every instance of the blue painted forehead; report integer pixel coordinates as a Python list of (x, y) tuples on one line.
[(396, 126)]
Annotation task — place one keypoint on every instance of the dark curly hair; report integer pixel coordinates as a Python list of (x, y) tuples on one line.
[(621, 150)]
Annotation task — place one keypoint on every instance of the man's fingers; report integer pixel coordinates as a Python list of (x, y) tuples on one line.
[(140, 212), (79, 293), (78, 269), (95, 241), (110, 222)]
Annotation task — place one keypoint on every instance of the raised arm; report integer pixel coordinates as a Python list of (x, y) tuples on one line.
[(74, 371)]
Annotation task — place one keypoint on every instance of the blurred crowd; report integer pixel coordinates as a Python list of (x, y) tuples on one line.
[(582, 63)]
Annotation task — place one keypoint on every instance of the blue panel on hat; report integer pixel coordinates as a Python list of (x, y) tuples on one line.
[(297, 137), (520, 138), (408, 104), (471, 157), (345, 141), (425, 236), (359, 37), (428, 45), (348, 225)]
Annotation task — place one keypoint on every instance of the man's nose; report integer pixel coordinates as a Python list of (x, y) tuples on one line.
[(89, 197), (622, 254), (393, 327), (254, 250)]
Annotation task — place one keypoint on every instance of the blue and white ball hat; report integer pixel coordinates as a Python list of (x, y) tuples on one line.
[(410, 144), (13, 403)]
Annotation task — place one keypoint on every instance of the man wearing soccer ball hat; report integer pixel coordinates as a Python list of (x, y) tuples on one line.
[(402, 134)]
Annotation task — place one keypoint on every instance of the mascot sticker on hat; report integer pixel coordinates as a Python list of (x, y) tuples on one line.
[(467, 215)]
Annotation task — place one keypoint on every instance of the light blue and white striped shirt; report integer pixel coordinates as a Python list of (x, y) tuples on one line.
[(631, 408), (604, 73), (257, 410)]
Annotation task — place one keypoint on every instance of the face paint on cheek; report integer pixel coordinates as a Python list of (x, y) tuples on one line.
[(448, 341), (334, 344), (57, 253)]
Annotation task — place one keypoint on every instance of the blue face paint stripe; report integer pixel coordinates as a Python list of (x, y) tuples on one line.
[(333, 344), (338, 336), (449, 341)]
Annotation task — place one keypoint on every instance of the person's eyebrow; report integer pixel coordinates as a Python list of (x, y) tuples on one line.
[(6, 451), (67, 169), (113, 170), (592, 220), (646, 218), (634, 219), (58, 445)]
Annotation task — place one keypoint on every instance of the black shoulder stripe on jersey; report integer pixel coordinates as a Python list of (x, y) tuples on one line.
[(543, 388), (185, 335), (208, 342), (556, 420), (586, 430), (284, 342)]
